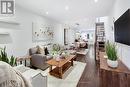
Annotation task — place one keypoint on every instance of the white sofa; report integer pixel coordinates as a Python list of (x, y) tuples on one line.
[(37, 79)]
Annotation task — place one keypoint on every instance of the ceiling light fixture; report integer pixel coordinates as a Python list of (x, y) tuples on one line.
[(66, 7), (47, 12), (96, 0)]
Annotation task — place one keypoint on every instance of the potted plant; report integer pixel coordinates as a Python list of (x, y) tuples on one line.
[(4, 57), (112, 55)]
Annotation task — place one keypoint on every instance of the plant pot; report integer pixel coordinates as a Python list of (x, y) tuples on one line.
[(113, 64), (57, 58)]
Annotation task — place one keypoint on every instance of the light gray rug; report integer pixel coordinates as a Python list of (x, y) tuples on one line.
[(70, 77)]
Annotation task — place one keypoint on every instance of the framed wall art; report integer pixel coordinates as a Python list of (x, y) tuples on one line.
[(42, 32)]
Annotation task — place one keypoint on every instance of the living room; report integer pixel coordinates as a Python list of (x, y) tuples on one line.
[(66, 26)]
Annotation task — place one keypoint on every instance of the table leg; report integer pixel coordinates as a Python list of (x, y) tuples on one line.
[(75, 57), (21, 62), (25, 62), (50, 69), (72, 62), (60, 71)]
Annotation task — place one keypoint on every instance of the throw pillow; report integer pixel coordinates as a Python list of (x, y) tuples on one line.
[(46, 51), (40, 50)]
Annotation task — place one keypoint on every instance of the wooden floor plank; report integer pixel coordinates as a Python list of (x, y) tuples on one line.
[(90, 76)]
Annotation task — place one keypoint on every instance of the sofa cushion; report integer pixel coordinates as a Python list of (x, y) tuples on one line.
[(46, 51)]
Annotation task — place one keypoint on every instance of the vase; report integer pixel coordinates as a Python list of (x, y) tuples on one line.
[(58, 58), (63, 54), (112, 64)]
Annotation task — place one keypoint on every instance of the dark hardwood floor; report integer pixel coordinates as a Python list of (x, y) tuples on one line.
[(90, 76)]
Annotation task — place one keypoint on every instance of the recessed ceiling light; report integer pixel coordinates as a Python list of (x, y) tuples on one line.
[(66, 7), (47, 12), (96, 0)]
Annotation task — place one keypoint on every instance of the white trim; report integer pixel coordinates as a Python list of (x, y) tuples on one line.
[(9, 22)]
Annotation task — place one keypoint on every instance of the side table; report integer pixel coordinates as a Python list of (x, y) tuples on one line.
[(22, 59)]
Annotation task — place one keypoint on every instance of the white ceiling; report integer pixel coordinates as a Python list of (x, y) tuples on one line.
[(78, 9)]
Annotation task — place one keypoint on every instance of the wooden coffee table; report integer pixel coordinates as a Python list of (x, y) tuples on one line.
[(60, 66)]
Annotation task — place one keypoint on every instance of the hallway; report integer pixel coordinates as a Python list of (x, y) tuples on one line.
[(90, 76)]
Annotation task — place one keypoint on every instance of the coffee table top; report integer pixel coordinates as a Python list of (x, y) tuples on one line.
[(60, 63)]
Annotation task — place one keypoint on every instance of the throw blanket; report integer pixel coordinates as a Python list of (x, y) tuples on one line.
[(9, 77)]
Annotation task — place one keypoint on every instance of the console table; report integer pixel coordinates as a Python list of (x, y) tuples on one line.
[(22, 59), (109, 77)]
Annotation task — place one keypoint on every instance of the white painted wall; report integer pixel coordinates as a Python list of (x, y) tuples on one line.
[(59, 34), (123, 50), (71, 36), (22, 34)]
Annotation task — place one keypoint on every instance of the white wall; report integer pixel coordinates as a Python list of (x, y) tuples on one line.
[(119, 8), (71, 36), (59, 34), (22, 35)]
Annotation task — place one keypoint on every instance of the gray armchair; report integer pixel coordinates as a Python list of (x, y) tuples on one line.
[(38, 60)]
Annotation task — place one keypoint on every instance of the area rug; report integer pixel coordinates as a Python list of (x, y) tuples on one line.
[(70, 77)]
